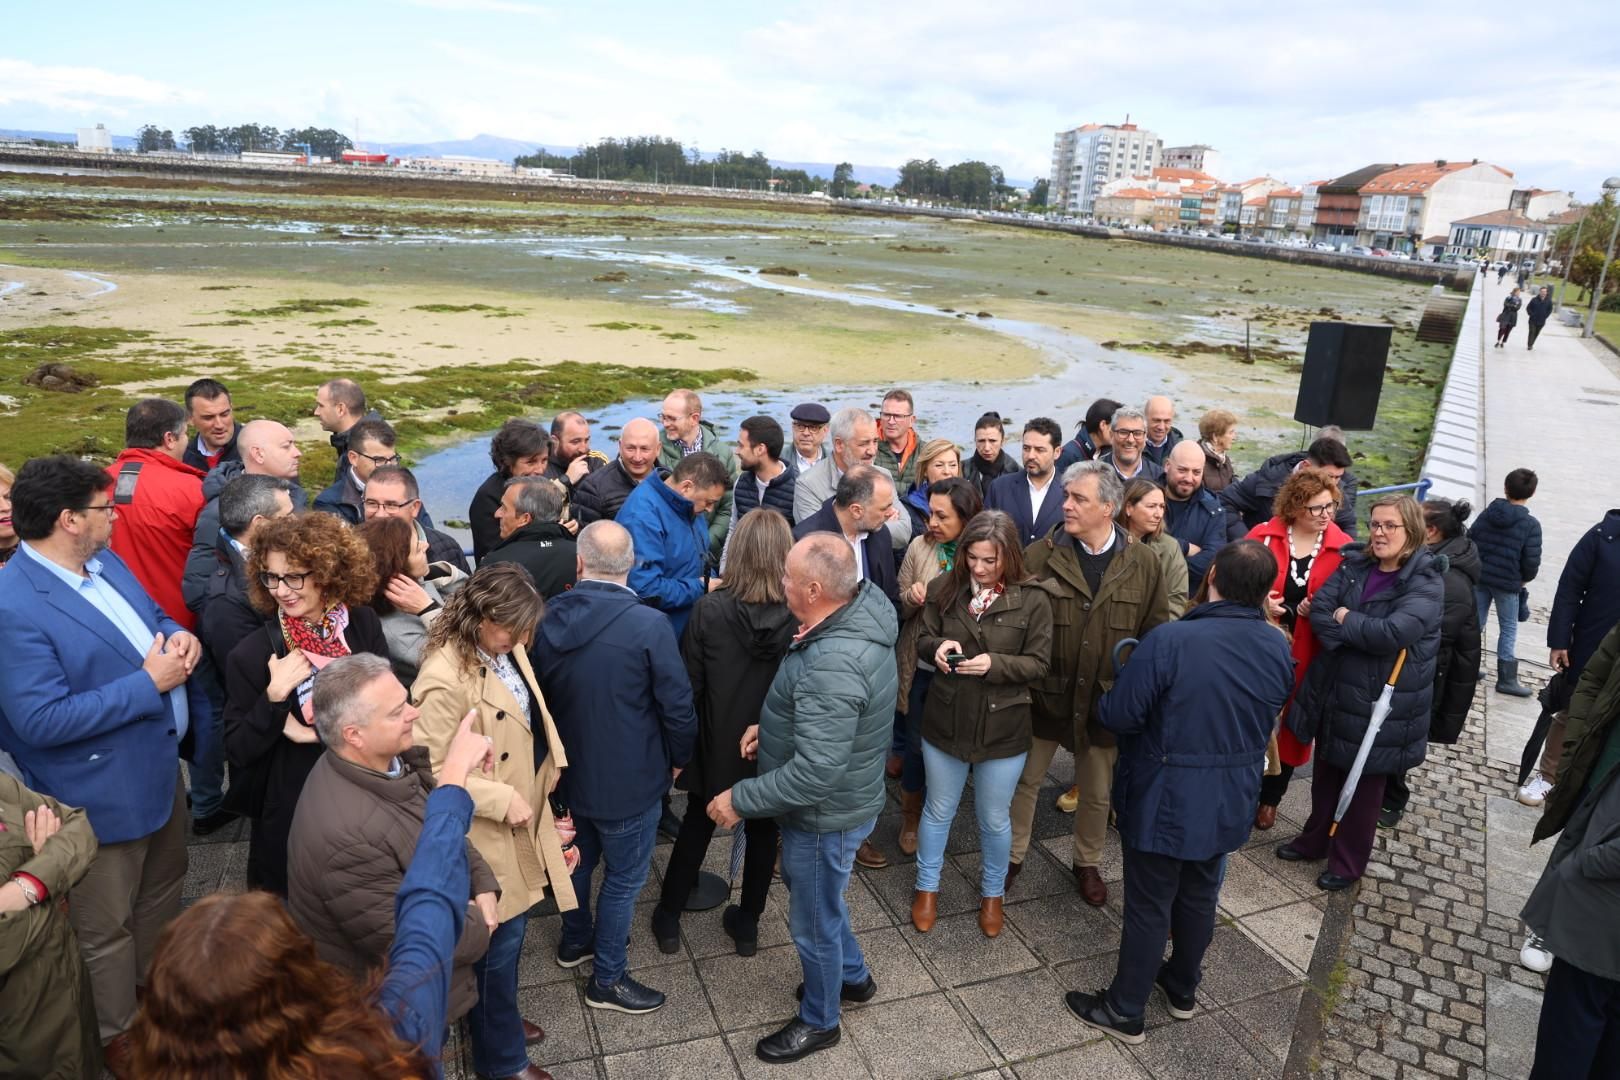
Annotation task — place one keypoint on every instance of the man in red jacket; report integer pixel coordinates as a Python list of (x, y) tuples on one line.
[(158, 498)]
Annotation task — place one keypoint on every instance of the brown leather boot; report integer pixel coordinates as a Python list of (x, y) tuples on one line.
[(1265, 817), (911, 804), (870, 857), (990, 915), (924, 910)]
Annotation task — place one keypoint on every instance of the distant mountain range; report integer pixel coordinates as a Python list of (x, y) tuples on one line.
[(503, 149)]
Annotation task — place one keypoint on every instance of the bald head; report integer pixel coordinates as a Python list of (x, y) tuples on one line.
[(821, 576), (267, 449), (638, 447), (1184, 470), (1160, 413), (605, 552)]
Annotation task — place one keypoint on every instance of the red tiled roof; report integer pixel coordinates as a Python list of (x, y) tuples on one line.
[(1420, 177), (1180, 174), (1259, 200), (1132, 193), (1284, 193), (1507, 218)]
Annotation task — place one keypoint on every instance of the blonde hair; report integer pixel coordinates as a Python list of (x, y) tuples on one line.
[(935, 448), (1411, 522), (501, 592)]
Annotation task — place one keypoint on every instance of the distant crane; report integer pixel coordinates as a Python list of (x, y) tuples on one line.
[(309, 153)]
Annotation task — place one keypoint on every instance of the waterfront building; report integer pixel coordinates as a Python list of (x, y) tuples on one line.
[(1400, 206), (1500, 234), (1087, 157), (1199, 158)]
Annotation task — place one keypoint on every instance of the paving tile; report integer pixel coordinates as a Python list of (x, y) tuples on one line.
[(1064, 927), (205, 868), (1288, 932), (1269, 1019), (1514, 866), (1100, 1059), (537, 965), (748, 991), (895, 966), (700, 1059), (1111, 866), (706, 936), (1198, 1049), (686, 1014), (841, 1062), (1235, 969), (643, 951), (960, 952), (1512, 1013), (584, 1069), (917, 1039), (1023, 1014), (1094, 973), (1299, 875), (559, 1009), (1039, 877), (896, 884), (1251, 886)]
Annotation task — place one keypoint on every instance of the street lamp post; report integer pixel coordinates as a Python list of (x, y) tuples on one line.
[(1569, 260), (1612, 186)]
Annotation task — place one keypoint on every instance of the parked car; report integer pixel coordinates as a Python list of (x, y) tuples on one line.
[(1323, 246), (1401, 255)]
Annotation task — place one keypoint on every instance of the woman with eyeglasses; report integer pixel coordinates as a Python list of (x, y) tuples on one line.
[(410, 591), (1308, 546), (1382, 602), (310, 576)]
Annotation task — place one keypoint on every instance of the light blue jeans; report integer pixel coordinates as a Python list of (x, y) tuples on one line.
[(994, 782), (816, 869), (1507, 618)]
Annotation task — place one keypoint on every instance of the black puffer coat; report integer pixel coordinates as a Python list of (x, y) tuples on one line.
[(1457, 667), (1336, 700)]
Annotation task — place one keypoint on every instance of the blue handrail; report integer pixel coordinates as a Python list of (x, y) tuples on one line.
[(1420, 486)]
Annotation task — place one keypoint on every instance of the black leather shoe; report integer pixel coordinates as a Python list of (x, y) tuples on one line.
[(742, 928), (1093, 1011), (1289, 853), (1180, 1006), (1388, 818), (212, 823), (1330, 882), (626, 996), (666, 930), (855, 993), (796, 1040)]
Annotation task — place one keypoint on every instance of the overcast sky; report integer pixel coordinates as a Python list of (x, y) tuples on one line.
[(1302, 91)]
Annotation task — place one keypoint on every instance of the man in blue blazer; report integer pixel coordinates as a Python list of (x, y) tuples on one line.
[(1031, 498), (95, 699)]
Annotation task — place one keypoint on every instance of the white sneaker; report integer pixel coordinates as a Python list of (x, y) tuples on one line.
[(1534, 955), (1534, 791)]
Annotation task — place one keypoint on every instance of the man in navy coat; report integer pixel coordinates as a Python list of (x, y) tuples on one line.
[(1031, 497), (1193, 711), (859, 511), (95, 700)]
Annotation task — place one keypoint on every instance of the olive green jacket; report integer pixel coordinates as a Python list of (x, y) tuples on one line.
[(709, 441), (1593, 711)]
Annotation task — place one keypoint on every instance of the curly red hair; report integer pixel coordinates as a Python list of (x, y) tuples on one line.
[(237, 991), (336, 559)]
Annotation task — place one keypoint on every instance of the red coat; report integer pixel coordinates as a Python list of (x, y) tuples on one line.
[(1274, 534), (153, 531)]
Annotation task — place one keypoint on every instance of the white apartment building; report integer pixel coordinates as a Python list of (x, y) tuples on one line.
[(1087, 157), (96, 140), (1200, 158)]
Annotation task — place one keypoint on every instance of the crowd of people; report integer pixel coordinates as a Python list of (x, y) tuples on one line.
[(425, 748)]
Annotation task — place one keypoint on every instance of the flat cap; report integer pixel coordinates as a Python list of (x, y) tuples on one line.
[(811, 413)]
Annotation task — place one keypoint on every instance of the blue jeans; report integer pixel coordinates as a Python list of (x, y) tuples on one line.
[(1507, 618), (815, 869), (994, 782), (495, 1024), (625, 848)]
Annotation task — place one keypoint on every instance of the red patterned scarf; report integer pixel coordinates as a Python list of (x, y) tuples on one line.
[(323, 638)]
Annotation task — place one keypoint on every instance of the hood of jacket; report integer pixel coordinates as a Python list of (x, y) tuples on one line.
[(579, 616), (1504, 515), (680, 504), (868, 617), (1461, 554), (1610, 524), (762, 625)]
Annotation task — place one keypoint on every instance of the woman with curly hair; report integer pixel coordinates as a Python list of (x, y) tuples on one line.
[(476, 660), (310, 577), (274, 1008), (410, 590)]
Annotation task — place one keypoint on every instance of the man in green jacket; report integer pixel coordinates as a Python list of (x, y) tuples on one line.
[(820, 741), (686, 433)]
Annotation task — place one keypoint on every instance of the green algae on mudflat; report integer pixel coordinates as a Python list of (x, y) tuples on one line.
[(426, 407)]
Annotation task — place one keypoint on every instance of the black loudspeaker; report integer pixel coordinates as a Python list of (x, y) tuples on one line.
[(1343, 376)]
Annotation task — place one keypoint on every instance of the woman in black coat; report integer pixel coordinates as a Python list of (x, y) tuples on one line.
[(1381, 600), (1509, 317), (310, 575), (733, 643), (1457, 665), (519, 448)]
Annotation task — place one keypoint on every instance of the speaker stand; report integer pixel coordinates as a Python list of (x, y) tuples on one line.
[(710, 892)]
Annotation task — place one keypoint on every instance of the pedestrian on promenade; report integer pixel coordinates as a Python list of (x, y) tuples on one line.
[(1508, 318), (475, 661), (278, 999), (952, 504), (988, 630), (820, 741), (1193, 711), (1456, 672), (1107, 589), (1307, 544), (1501, 272), (1509, 541), (519, 448), (1380, 602), (1217, 430), (1574, 911), (309, 577), (1585, 607), (1538, 311), (989, 460), (732, 646)]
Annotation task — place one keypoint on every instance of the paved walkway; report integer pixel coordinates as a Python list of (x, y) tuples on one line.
[(1430, 983)]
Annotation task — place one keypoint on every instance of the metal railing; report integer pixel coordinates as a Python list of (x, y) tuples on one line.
[(1421, 487)]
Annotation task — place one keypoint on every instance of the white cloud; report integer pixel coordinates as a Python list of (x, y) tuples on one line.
[(81, 89)]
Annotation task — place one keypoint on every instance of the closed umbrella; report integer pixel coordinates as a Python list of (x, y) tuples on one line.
[(1379, 713)]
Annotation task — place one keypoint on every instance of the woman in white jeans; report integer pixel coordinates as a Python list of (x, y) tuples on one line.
[(989, 634)]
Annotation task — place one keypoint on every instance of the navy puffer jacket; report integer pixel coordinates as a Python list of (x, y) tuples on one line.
[(1336, 701), (1587, 604), (1509, 542)]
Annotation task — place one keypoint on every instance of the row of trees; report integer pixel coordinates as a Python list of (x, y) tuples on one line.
[(969, 183), (208, 139), (1594, 238), (658, 160)]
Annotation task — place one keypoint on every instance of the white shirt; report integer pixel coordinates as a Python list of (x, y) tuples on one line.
[(1037, 495), (806, 464), (1089, 550), (859, 544)]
